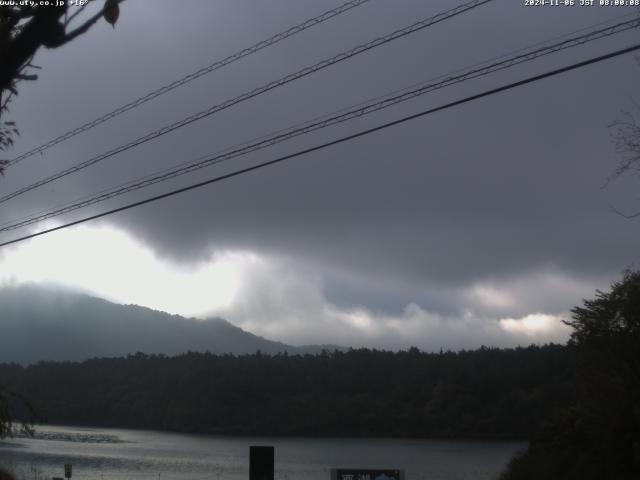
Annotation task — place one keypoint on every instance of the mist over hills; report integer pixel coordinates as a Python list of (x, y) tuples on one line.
[(39, 323)]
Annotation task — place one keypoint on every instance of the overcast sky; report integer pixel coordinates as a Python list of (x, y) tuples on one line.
[(481, 224)]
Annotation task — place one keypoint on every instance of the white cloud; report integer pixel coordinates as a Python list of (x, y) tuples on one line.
[(517, 296), (536, 324), (288, 304), (281, 299), (115, 266), (491, 296)]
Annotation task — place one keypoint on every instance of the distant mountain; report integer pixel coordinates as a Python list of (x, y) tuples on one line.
[(37, 323)]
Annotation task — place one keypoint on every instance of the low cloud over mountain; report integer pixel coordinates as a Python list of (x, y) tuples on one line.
[(53, 324)]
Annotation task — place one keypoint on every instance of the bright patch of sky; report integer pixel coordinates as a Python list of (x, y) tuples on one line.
[(269, 297)]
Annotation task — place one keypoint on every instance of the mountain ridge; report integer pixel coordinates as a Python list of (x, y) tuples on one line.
[(57, 324)]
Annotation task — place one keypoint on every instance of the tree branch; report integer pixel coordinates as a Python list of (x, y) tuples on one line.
[(625, 215), (78, 12), (82, 28), (41, 29)]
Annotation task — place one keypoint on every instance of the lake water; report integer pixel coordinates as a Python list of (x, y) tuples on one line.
[(110, 454)]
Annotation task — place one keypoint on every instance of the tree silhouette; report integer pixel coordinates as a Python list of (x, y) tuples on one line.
[(598, 436), (24, 29)]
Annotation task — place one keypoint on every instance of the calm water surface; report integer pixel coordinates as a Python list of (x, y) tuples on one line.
[(110, 454)]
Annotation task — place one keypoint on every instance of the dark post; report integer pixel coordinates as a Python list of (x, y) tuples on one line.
[(261, 463)]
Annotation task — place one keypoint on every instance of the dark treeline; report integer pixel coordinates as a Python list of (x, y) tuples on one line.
[(486, 393)]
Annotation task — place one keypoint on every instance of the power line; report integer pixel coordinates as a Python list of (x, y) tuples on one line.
[(258, 91), (312, 22), (324, 116), (362, 133), (308, 127)]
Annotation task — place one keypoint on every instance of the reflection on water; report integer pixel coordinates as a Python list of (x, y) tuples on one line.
[(106, 454), (73, 436)]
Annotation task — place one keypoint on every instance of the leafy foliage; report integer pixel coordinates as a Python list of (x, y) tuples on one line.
[(26, 27), (7, 129), (598, 435)]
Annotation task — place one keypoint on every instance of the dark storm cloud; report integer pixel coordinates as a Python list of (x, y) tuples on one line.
[(492, 190)]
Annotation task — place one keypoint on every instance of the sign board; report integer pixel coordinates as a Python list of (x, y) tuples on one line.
[(261, 463), (67, 470), (366, 474)]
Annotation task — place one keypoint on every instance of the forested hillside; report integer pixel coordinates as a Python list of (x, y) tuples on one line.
[(489, 393), (38, 323)]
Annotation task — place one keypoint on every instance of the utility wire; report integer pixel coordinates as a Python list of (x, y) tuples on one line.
[(293, 131), (335, 112), (287, 134), (57, 210), (312, 22), (347, 138), (258, 91)]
